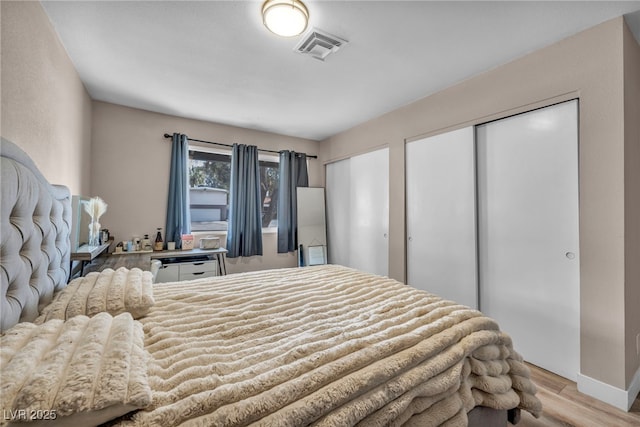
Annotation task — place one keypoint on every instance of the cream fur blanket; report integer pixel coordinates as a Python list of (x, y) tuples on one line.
[(325, 346)]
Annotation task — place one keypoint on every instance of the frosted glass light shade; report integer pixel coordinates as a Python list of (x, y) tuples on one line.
[(286, 18)]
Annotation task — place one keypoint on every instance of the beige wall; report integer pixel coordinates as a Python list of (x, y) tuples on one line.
[(130, 170), (632, 199), (589, 66), (45, 107)]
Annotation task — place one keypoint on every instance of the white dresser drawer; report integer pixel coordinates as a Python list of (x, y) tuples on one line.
[(198, 267), (196, 275), (168, 273), (190, 270)]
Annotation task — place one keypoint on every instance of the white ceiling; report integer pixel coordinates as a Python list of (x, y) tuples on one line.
[(215, 61)]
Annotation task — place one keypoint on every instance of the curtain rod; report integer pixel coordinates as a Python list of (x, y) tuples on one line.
[(166, 135)]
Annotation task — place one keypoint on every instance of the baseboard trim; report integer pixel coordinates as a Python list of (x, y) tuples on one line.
[(621, 399)]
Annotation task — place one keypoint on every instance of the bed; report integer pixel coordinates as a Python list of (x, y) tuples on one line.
[(323, 345)]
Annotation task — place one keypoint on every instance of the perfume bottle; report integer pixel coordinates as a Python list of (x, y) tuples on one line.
[(146, 243)]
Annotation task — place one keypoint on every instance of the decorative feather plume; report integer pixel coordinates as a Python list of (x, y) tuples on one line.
[(95, 207)]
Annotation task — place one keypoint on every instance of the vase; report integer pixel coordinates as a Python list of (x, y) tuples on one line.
[(94, 233)]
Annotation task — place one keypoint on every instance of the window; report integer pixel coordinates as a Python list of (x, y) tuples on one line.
[(209, 181)]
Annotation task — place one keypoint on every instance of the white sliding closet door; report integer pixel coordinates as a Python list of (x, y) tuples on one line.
[(441, 216), (528, 233), (358, 212), (370, 212)]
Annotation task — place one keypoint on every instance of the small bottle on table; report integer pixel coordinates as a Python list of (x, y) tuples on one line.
[(158, 246)]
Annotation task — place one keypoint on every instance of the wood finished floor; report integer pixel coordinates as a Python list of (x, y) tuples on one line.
[(564, 406)]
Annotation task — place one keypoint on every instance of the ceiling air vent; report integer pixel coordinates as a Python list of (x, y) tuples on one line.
[(319, 44)]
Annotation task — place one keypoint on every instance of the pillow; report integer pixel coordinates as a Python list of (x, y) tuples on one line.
[(84, 371), (115, 292)]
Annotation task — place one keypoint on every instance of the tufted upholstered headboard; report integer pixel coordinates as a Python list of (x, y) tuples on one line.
[(35, 227)]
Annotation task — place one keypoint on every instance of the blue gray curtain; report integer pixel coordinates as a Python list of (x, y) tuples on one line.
[(244, 234), (178, 214), (293, 174)]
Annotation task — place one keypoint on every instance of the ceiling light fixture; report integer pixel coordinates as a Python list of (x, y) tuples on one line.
[(286, 18)]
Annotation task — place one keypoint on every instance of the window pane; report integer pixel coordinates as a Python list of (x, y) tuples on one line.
[(210, 179), (269, 173), (209, 194)]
